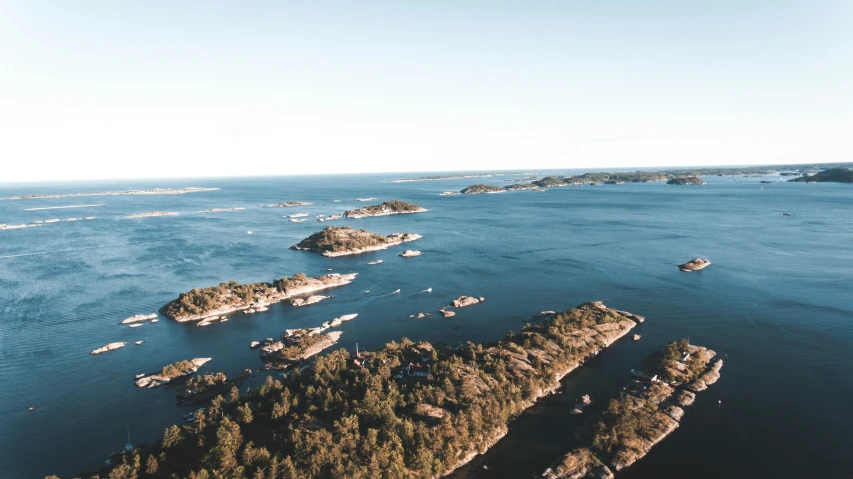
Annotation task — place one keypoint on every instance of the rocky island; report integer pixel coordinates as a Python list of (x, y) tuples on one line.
[(289, 204), (454, 402), (550, 181), (109, 347), (170, 372), (832, 175), (482, 189), (198, 304), (648, 410), (686, 180), (394, 207), (694, 265), (343, 240)]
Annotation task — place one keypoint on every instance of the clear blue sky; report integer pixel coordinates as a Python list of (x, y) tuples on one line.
[(106, 89)]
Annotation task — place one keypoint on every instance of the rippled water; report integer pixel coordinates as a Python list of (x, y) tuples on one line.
[(776, 301)]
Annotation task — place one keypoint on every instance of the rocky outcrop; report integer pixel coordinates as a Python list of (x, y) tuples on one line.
[(138, 318), (694, 265), (410, 253), (307, 301), (446, 313), (465, 301), (344, 241), (578, 464), (109, 347), (394, 207)]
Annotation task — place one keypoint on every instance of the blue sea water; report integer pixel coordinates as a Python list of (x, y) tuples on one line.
[(776, 302)]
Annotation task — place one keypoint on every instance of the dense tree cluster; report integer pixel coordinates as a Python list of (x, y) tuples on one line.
[(341, 238), (338, 420)]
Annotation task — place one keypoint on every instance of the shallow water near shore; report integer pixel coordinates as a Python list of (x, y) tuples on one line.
[(776, 302)]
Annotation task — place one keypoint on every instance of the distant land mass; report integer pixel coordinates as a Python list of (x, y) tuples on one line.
[(393, 207), (835, 172), (834, 175), (155, 191)]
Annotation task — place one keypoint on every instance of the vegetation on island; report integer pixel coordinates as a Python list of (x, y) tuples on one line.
[(201, 301), (386, 208), (366, 417), (340, 238), (832, 175), (686, 180), (549, 181), (481, 188), (644, 413), (178, 369)]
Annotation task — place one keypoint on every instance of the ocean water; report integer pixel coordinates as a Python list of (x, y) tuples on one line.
[(776, 302)]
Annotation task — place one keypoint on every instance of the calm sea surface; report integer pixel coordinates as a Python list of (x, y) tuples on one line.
[(777, 301)]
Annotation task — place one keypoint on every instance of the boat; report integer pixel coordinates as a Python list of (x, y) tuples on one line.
[(249, 232), (367, 292), (129, 446), (190, 416), (396, 291), (294, 220), (379, 261)]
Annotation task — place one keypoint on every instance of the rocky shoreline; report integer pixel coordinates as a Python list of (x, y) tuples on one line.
[(590, 341), (652, 406), (344, 241)]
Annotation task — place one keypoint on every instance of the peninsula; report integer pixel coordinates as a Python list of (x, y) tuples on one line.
[(201, 303), (648, 410), (155, 191), (343, 240), (170, 372), (363, 410), (394, 207)]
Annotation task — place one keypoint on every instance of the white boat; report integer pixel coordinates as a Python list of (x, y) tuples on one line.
[(294, 220), (298, 215)]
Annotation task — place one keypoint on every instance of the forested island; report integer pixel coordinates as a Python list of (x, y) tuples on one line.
[(833, 175), (647, 411), (406, 410), (481, 189), (201, 303), (344, 240), (170, 372), (686, 180), (392, 207)]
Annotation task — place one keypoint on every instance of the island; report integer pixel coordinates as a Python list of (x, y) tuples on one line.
[(694, 265), (170, 372), (408, 406), (155, 191), (410, 253), (479, 189), (109, 347), (686, 180), (198, 304), (832, 175), (549, 181), (393, 207), (343, 240), (648, 410)]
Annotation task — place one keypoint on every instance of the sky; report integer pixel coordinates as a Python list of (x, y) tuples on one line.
[(146, 89)]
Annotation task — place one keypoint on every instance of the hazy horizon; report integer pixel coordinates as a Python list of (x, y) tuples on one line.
[(97, 90)]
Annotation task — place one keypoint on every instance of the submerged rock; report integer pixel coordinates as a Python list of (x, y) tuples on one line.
[(464, 301)]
